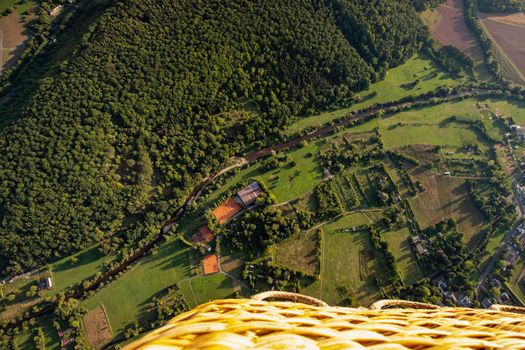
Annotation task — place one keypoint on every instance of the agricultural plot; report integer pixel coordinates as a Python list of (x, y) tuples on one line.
[(96, 327), (445, 197), (419, 67), (153, 275), (13, 35), (508, 37), (347, 260), (448, 27), (200, 290), (398, 242), (299, 252), (431, 125)]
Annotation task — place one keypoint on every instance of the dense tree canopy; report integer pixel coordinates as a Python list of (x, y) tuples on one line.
[(500, 5), (161, 92)]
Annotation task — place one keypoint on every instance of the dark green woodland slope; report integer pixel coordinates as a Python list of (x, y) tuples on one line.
[(160, 93)]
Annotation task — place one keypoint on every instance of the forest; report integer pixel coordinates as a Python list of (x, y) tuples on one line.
[(161, 92)]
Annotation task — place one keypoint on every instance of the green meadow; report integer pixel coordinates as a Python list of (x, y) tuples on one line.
[(419, 67), (127, 298), (347, 260)]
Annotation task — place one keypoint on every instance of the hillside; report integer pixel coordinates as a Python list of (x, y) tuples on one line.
[(160, 93)]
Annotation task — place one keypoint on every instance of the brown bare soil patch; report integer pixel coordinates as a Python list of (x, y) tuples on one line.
[(451, 29), (98, 331), (445, 197), (509, 37), (226, 210), (13, 35)]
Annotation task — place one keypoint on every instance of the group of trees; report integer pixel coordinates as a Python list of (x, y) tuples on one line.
[(259, 228), (139, 112), (491, 199), (448, 254), (500, 5)]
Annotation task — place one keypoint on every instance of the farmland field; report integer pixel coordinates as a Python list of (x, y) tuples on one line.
[(200, 290), (448, 27), (398, 242), (347, 260), (96, 327), (508, 36), (13, 35), (298, 252), (445, 197), (427, 125), (389, 89)]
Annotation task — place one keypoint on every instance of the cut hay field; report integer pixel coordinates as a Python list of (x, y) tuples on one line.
[(96, 327), (152, 276), (398, 242), (449, 28), (389, 89), (298, 252), (445, 197), (347, 260), (507, 34)]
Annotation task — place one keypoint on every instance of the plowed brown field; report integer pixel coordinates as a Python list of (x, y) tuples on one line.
[(451, 29), (12, 39), (508, 31)]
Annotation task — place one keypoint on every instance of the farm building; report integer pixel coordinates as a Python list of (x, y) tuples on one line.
[(203, 235), (249, 194), (211, 264)]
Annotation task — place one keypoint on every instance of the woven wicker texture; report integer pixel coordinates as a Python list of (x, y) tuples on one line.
[(258, 324)]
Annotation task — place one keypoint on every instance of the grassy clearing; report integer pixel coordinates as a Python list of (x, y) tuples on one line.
[(347, 259), (298, 252), (516, 110), (20, 6), (200, 290), (426, 126), (418, 67), (398, 242), (67, 274), (136, 287), (298, 176), (517, 281)]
